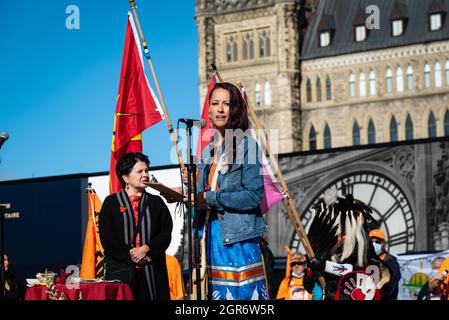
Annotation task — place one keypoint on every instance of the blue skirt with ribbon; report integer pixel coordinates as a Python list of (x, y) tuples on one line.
[(236, 271)]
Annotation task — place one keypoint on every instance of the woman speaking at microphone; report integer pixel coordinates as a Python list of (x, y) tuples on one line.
[(135, 230), (230, 186)]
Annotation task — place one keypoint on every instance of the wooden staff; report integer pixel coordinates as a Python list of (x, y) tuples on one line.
[(288, 201), (133, 8)]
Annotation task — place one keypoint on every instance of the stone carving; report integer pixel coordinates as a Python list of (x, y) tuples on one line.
[(440, 206), (228, 5), (441, 237), (404, 163)]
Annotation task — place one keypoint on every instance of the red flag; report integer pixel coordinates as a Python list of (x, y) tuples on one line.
[(207, 132), (137, 105)]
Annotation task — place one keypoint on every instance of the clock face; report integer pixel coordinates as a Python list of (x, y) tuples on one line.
[(388, 202)]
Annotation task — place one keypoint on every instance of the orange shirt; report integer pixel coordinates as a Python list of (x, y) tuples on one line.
[(175, 282), (293, 289), (445, 267)]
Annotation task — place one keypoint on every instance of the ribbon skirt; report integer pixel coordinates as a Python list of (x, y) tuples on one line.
[(236, 271)]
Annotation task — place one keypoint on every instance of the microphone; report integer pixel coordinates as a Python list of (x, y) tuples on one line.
[(3, 137), (191, 122)]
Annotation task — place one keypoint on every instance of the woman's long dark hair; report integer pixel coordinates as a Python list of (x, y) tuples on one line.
[(10, 275), (238, 114)]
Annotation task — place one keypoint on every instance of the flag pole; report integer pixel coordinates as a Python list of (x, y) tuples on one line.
[(288, 201), (217, 74), (133, 8)]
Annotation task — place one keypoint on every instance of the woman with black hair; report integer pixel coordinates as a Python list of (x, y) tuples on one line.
[(12, 289), (135, 230)]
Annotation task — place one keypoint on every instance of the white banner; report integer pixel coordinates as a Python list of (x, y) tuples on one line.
[(416, 270)]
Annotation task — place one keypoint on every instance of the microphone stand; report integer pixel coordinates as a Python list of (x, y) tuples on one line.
[(4, 136), (195, 259)]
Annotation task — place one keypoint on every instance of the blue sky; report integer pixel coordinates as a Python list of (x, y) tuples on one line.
[(58, 87)]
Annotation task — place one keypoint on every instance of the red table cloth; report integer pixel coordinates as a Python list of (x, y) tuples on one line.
[(89, 291)]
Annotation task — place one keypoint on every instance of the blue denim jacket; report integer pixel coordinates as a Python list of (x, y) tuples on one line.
[(239, 195)]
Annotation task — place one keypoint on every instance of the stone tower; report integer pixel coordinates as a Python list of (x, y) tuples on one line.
[(257, 42)]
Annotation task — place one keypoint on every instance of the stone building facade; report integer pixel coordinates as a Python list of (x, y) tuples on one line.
[(256, 42), (362, 86), (369, 86)]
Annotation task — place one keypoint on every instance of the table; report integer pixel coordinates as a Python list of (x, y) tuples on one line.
[(89, 291)]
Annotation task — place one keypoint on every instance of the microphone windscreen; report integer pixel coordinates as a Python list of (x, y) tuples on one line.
[(4, 136)]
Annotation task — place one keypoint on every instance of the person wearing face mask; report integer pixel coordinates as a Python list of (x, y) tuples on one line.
[(391, 289), (436, 265), (424, 292), (439, 284), (292, 287)]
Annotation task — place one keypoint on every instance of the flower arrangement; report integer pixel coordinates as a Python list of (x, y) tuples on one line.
[(48, 278), (51, 279)]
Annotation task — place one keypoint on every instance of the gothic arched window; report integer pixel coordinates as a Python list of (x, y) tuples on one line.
[(264, 44), (231, 49), (248, 47), (393, 130), (327, 137), (438, 81), (399, 80), (372, 83), (409, 128), (410, 78), (371, 132), (309, 90), (328, 89), (362, 84), (389, 79), (427, 76), (318, 89), (446, 71), (312, 139), (267, 93), (356, 134), (432, 125), (351, 85)]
